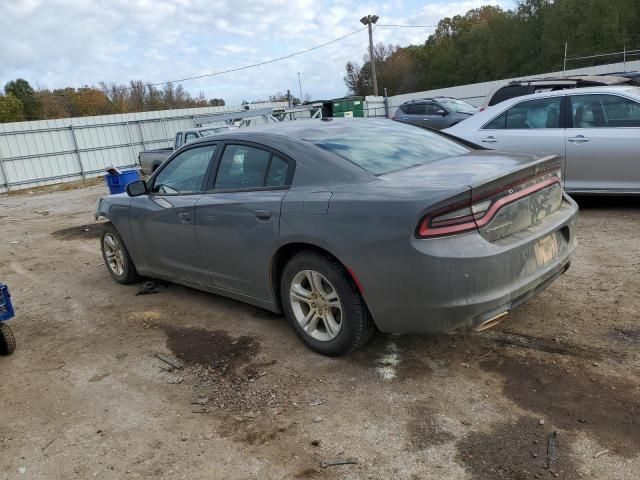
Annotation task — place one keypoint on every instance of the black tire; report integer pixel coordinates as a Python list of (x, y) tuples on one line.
[(129, 273), (357, 326), (7, 340)]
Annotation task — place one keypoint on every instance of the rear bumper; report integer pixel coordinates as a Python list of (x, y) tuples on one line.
[(452, 284)]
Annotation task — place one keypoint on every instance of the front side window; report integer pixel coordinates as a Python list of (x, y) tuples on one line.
[(432, 109), (185, 173), (243, 167), (602, 111), (538, 113)]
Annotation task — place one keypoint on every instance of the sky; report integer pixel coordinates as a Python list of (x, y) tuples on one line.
[(60, 43)]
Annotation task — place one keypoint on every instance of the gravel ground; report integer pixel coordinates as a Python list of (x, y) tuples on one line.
[(542, 395)]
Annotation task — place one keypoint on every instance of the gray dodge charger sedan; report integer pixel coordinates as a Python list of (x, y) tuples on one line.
[(347, 226)]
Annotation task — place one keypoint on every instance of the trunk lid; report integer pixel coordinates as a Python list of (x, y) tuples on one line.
[(509, 192)]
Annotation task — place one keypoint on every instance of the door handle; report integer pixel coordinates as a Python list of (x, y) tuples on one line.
[(489, 139), (263, 214), (185, 217), (578, 139)]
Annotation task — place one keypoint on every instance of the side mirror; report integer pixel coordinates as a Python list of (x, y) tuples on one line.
[(137, 188), (441, 112)]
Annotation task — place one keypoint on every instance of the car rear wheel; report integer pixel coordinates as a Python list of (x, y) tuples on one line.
[(116, 257), (323, 305)]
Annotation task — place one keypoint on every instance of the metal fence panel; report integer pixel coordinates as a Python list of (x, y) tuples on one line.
[(51, 151)]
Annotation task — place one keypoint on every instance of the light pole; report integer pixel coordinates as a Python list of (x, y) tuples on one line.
[(300, 85), (369, 21)]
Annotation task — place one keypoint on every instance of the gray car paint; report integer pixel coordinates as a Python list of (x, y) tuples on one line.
[(436, 121), (410, 285)]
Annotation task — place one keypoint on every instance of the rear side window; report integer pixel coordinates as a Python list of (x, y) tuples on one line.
[(602, 111), (242, 167), (510, 91), (538, 113), (418, 109), (190, 136), (384, 147)]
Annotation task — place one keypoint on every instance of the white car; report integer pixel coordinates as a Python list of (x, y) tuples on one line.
[(597, 129)]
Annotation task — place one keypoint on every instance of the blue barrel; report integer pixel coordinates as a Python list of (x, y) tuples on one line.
[(6, 308), (118, 182)]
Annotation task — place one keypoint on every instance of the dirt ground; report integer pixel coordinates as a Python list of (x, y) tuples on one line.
[(552, 392)]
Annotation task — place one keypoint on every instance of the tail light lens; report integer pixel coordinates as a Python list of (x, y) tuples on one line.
[(463, 217)]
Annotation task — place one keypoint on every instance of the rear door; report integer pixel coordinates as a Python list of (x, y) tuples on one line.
[(530, 126), (238, 218), (163, 221), (603, 144)]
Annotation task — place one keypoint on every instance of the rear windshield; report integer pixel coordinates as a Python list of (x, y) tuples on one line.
[(381, 147)]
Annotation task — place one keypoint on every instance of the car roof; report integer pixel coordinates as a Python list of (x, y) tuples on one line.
[(426, 99), (572, 79)]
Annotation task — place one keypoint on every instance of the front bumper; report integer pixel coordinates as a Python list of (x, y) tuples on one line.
[(453, 284)]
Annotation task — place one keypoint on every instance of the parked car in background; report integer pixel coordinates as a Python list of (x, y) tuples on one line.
[(596, 129), (150, 160), (436, 112), (518, 88), (344, 225)]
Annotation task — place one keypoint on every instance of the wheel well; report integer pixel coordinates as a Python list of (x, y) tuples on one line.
[(283, 255)]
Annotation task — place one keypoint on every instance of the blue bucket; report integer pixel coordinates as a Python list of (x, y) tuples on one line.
[(118, 182), (6, 308)]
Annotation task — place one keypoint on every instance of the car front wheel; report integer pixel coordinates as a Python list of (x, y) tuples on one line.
[(323, 305), (116, 257)]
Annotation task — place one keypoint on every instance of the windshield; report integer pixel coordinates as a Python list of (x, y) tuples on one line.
[(381, 147), (457, 105)]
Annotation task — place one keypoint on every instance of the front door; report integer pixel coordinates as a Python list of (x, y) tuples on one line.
[(529, 126), (603, 144), (238, 218), (163, 221)]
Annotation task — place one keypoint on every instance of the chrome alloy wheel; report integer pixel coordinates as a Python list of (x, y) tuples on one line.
[(113, 253), (316, 305)]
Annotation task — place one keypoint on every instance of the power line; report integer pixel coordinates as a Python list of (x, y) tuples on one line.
[(406, 26), (246, 67)]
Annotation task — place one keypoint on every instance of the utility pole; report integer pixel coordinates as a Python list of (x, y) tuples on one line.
[(564, 64), (300, 85), (369, 21)]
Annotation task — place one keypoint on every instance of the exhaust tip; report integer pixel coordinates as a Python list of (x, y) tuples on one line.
[(491, 322)]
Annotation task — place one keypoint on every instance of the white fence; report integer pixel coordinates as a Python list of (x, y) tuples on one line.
[(53, 151)]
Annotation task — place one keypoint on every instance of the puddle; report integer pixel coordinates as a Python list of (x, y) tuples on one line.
[(575, 397), (89, 231), (515, 451), (204, 347)]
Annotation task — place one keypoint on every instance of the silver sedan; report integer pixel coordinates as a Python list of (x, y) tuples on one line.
[(597, 130)]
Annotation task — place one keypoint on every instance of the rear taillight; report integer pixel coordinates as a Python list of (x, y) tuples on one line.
[(467, 216)]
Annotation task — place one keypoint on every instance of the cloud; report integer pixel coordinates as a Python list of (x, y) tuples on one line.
[(58, 43)]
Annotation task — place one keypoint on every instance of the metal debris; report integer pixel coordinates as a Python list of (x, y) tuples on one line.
[(552, 448), (330, 462), (174, 362)]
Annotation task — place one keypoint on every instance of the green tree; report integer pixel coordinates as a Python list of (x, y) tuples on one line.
[(217, 102), (11, 109), (21, 89)]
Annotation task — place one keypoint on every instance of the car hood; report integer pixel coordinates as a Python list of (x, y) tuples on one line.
[(473, 169)]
